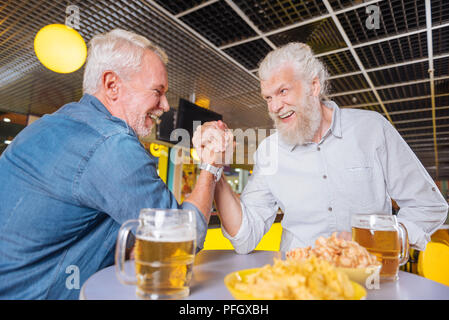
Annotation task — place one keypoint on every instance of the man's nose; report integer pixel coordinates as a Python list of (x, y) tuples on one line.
[(275, 105), (163, 104)]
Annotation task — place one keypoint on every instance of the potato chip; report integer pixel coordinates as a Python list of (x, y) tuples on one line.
[(339, 252), (310, 279)]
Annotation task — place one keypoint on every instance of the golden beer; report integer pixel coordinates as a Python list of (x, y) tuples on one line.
[(163, 267), (164, 252), (385, 245)]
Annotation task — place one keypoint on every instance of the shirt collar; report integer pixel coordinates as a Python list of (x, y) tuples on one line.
[(92, 100), (336, 118), (335, 127), (99, 106), (284, 144)]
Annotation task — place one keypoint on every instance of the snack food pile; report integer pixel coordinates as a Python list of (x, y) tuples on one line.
[(339, 252), (310, 279)]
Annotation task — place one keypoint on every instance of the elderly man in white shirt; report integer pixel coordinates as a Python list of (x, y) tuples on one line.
[(330, 163)]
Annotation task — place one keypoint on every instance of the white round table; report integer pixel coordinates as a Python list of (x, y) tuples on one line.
[(211, 266)]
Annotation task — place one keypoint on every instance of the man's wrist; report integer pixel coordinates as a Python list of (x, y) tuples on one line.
[(214, 170)]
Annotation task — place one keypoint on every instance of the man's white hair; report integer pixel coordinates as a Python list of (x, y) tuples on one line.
[(118, 50), (304, 63)]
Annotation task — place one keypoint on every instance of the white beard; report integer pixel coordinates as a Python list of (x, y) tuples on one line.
[(137, 122), (308, 120)]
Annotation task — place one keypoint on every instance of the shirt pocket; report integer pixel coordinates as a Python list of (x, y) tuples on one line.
[(358, 182)]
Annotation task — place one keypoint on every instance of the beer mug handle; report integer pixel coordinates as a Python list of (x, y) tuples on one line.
[(402, 232), (120, 250)]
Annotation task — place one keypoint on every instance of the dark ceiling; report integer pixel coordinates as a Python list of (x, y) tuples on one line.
[(214, 48)]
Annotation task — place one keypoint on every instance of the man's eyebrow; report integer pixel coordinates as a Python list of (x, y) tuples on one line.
[(160, 87), (283, 84)]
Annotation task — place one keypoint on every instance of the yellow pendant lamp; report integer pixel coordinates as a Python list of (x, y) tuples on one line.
[(60, 48)]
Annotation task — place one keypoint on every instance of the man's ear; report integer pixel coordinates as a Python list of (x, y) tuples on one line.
[(111, 84), (316, 87)]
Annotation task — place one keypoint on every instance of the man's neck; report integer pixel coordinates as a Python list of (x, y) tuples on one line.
[(109, 106)]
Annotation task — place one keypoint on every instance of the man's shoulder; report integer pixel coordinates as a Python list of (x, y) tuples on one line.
[(75, 130), (365, 125), (361, 113), (361, 117), (86, 119)]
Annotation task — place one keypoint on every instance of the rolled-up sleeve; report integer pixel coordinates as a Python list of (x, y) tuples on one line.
[(120, 178), (423, 209), (259, 208)]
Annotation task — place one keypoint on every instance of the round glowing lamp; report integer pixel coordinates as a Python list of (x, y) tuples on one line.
[(60, 48)]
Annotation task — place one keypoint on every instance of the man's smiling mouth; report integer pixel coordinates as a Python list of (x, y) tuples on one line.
[(155, 117), (286, 115)]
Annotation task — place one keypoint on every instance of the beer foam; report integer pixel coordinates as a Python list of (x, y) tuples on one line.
[(170, 235), (376, 227)]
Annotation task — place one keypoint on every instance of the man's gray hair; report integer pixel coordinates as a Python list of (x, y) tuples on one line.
[(118, 50), (306, 66)]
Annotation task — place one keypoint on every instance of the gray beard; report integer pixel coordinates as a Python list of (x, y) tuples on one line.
[(306, 125), (137, 122)]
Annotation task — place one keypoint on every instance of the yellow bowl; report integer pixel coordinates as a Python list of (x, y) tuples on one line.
[(238, 276), (360, 275)]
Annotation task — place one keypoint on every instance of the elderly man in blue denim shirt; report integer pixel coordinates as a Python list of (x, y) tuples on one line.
[(69, 180)]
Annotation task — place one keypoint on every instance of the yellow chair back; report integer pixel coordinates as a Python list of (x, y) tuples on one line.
[(433, 262), (441, 235), (270, 242)]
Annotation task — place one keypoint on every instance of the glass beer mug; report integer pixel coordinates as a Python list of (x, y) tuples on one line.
[(384, 237), (164, 253)]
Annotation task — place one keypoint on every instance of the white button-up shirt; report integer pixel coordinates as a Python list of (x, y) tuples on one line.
[(359, 165)]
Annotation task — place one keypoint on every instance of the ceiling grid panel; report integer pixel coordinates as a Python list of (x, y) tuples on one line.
[(356, 58), (431, 75)]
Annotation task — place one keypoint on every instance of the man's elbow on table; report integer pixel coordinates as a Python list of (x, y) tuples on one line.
[(241, 244), (246, 250), (244, 246), (240, 247)]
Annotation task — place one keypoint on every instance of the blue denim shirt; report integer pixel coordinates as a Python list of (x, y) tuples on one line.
[(67, 183)]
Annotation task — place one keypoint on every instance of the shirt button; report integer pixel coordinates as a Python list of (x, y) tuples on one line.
[(324, 177), (330, 208), (318, 148), (433, 189)]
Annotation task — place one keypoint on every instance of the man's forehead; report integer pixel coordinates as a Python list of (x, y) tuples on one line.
[(155, 70), (152, 61), (151, 55), (284, 74), (284, 71)]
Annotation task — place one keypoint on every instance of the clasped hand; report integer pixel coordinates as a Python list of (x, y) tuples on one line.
[(214, 143)]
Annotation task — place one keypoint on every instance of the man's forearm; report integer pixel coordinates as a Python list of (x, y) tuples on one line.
[(228, 206), (203, 193)]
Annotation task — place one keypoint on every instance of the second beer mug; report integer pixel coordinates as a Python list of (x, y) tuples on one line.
[(164, 253), (383, 236)]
